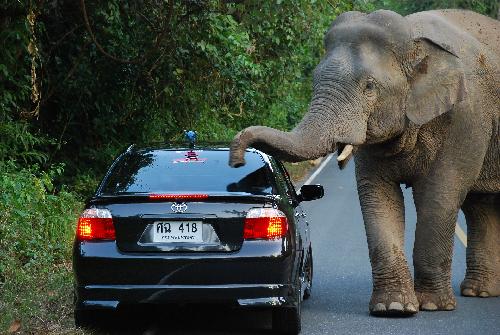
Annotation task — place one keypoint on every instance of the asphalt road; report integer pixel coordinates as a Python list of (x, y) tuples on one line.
[(342, 281)]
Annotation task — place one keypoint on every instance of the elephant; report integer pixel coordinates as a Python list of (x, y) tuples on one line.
[(416, 101)]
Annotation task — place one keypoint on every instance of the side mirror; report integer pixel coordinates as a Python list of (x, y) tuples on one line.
[(311, 192)]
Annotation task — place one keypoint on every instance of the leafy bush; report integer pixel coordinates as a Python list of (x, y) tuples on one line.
[(405, 7), (36, 233)]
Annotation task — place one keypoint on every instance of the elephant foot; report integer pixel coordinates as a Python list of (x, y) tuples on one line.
[(437, 301), (393, 303), (477, 288)]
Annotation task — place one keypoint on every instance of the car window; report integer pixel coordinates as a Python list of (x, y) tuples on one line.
[(281, 179), (287, 180), (157, 171)]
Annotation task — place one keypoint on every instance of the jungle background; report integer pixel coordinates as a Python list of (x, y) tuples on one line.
[(82, 80)]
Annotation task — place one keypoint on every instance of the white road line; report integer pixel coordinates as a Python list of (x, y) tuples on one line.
[(458, 231), (461, 234), (318, 170)]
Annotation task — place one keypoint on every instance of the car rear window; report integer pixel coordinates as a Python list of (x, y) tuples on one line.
[(168, 171)]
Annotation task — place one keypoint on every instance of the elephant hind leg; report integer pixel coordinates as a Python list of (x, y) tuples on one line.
[(482, 212)]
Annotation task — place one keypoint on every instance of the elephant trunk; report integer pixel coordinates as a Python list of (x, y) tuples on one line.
[(319, 133), (304, 142)]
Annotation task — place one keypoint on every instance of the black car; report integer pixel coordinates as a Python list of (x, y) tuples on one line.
[(171, 225)]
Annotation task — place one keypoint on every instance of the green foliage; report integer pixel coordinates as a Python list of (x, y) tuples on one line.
[(405, 7), (20, 144), (15, 88), (36, 231), (19, 140)]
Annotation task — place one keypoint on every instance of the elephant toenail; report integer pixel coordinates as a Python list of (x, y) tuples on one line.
[(396, 307), (449, 307), (468, 292), (429, 306), (484, 294), (411, 308), (378, 308)]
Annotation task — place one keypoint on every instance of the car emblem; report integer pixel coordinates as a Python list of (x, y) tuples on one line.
[(179, 207)]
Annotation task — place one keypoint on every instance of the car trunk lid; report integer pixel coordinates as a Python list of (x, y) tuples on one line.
[(147, 224)]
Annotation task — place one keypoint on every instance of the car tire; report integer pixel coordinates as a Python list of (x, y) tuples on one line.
[(92, 319), (308, 274), (288, 320)]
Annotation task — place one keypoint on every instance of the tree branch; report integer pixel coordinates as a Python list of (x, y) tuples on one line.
[(139, 60), (98, 45)]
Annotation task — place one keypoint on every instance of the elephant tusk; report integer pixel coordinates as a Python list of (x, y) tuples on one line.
[(346, 152)]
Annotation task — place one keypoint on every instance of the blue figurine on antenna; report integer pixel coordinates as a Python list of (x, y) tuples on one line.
[(190, 136)]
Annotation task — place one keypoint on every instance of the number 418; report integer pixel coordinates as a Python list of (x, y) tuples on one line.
[(189, 227)]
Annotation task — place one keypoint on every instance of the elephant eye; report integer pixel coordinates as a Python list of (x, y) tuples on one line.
[(370, 89), (370, 85)]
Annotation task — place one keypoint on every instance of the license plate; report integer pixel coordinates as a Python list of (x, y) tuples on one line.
[(183, 231)]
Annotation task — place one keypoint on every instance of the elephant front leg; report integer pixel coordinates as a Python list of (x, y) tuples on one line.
[(437, 210), (482, 278), (383, 213)]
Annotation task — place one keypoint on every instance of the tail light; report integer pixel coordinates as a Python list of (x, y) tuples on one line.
[(265, 223), (95, 224), (178, 196)]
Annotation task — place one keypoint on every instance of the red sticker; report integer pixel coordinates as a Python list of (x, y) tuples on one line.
[(191, 157)]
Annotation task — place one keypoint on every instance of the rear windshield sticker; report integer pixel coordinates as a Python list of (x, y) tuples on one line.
[(191, 157)]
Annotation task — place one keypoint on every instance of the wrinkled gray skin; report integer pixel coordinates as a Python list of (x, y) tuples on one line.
[(419, 98)]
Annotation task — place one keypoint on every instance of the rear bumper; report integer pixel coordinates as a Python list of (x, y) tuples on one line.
[(111, 296), (260, 274)]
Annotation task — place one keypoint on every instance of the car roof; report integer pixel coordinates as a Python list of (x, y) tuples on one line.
[(181, 146)]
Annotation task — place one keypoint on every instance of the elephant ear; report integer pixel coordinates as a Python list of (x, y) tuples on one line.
[(437, 81)]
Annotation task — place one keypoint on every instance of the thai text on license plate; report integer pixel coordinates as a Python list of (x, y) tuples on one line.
[(180, 231)]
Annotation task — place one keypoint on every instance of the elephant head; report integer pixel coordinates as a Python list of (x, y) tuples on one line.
[(378, 76)]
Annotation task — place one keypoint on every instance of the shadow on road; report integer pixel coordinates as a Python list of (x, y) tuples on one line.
[(188, 320)]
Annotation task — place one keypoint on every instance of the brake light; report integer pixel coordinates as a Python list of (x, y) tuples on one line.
[(179, 196), (265, 223), (95, 224)]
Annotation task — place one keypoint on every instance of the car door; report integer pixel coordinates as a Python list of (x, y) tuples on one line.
[(290, 201), (299, 216), (299, 213)]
